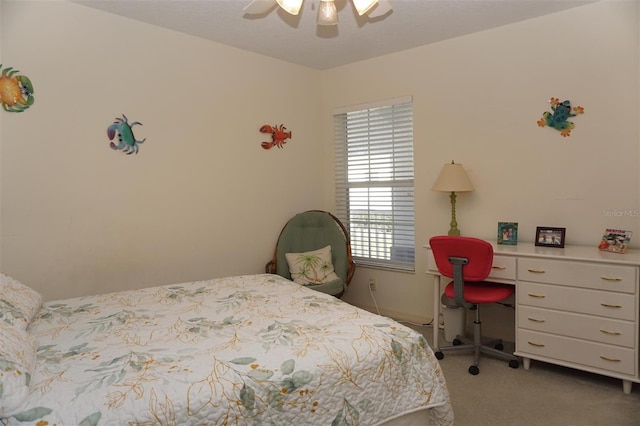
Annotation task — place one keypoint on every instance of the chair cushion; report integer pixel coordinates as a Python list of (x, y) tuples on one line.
[(333, 288), (312, 267), (482, 292)]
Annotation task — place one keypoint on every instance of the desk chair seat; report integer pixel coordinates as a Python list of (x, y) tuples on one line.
[(468, 262), (482, 292)]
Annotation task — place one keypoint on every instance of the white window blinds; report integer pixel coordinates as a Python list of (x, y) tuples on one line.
[(374, 182)]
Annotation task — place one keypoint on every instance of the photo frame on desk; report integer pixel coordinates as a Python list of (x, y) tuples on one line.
[(550, 237), (508, 233)]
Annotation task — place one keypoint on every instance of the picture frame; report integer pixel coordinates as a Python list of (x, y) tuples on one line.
[(547, 236), (508, 233)]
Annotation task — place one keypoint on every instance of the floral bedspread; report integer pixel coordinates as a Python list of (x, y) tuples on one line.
[(248, 350)]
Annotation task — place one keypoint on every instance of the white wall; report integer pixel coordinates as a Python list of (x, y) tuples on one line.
[(201, 199), (477, 100)]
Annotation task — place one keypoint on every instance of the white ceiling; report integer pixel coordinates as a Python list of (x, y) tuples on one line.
[(299, 40)]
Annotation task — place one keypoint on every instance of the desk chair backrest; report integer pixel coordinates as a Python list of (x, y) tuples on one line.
[(462, 259)]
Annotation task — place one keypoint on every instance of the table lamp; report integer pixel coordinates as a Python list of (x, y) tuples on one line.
[(453, 178)]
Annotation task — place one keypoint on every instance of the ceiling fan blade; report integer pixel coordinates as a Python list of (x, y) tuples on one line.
[(382, 8), (257, 7)]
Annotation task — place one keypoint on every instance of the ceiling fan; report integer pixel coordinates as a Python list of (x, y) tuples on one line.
[(327, 13)]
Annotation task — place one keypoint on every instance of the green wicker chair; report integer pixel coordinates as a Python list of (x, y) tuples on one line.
[(313, 230)]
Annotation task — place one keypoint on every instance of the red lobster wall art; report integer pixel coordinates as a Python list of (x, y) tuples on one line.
[(279, 136)]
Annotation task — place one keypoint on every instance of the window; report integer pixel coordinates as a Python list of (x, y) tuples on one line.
[(374, 182)]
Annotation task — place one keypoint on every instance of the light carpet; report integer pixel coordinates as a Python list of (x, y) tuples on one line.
[(544, 395)]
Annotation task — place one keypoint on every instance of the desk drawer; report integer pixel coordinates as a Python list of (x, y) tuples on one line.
[(578, 274), (578, 300), (597, 329), (575, 351), (503, 268)]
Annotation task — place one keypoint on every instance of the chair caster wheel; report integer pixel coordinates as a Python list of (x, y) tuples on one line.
[(514, 363), (439, 355), (457, 342), (474, 370), (499, 346)]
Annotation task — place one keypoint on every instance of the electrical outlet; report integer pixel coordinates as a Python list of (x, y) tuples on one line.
[(372, 284)]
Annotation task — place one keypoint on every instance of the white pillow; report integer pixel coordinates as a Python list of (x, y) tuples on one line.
[(312, 267), (19, 304), (17, 362)]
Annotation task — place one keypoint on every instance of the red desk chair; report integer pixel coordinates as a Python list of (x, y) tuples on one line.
[(468, 262)]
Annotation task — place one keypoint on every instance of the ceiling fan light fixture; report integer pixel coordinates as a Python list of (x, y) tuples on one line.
[(290, 6), (363, 6), (327, 13)]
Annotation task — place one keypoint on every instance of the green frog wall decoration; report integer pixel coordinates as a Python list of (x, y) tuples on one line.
[(558, 118)]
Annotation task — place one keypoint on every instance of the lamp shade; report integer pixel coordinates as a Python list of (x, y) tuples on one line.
[(327, 13), (453, 178)]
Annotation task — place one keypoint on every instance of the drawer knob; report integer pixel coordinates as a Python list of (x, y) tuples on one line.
[(537, 345), (611, 333), (606, 305), (611, 278), (501, 268), (610, 359), (536, 271), (537, 296), (538, 320)]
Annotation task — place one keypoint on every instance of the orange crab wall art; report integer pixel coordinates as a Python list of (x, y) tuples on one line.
[(16, 91)]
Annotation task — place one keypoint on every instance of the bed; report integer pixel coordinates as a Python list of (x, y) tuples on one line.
[(246, 350)]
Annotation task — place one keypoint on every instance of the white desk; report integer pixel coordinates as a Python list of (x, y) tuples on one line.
[(575, 306)]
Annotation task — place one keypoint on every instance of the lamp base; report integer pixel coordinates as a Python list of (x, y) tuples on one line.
[(453, 231)]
